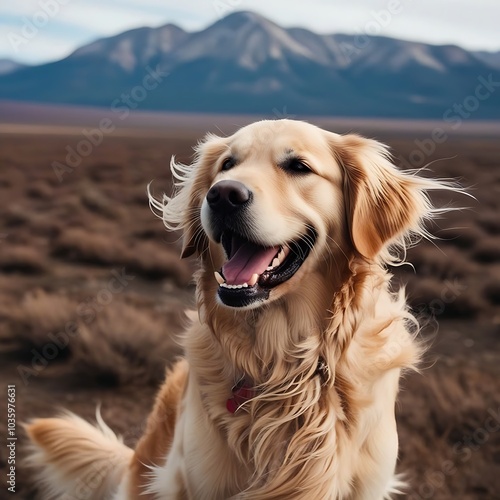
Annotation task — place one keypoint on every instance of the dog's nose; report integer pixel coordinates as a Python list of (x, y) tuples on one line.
[(228, 196)]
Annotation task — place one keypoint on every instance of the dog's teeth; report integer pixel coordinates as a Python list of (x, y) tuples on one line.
[(253, 279), (251, 282), (276, 262), (269, 268), (281, 255), (233, 287), (219, 278)]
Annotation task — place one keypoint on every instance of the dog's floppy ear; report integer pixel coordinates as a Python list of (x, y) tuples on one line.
[(383, 204), (191, 182)]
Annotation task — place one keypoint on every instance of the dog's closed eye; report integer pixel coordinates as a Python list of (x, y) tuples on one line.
[(295, 165)]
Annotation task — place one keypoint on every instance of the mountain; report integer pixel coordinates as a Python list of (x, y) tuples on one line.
[(9, 66), (245, 63), (491, 58)]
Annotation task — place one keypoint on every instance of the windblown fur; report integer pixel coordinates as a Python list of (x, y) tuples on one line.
[(303, 435)]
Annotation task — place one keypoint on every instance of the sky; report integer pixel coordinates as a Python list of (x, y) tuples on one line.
[(38, 31)]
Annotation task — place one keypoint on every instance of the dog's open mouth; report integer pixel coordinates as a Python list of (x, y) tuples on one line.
[(252, 270)]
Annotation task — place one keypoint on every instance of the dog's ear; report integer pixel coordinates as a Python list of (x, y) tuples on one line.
[(383, 204), (182, 210)]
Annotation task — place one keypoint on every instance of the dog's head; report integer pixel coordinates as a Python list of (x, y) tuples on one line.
[(279, 200)]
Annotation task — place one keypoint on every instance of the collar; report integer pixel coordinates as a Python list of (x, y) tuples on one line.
[(244, 391)]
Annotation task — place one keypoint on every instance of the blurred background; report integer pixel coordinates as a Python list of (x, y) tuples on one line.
[(95, 97)]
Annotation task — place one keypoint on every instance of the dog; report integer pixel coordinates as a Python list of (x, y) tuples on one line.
[(293, 360)]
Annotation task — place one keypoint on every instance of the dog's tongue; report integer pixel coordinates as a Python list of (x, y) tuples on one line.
[(247, 260)]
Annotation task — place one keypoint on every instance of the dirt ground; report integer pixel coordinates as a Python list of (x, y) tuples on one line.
[(92, 293)]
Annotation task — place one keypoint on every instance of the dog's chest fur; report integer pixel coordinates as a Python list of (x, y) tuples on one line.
[(321, 436)]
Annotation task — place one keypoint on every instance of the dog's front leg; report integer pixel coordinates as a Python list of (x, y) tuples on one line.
[(158, 448)]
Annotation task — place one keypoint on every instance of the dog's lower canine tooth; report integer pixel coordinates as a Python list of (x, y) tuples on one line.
[(253, 279), (219, 278), (276, 262)]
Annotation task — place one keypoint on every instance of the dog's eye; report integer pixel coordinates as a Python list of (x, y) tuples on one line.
[(296, 165), (228, 163)]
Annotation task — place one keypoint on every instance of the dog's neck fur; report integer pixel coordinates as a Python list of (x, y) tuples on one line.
[(267, 340)]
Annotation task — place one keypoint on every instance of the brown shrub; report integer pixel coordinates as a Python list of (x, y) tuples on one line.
[(462, 237), (438, 412), (107, 172), (490, 221), (439, 262), (147, 259), (139, 196), (16, 215), (156, 233), (97, 202), (91, 248), (46, 225), (491, 291), (21, 259), (67, 208), (13, 175), (126, 344), (487, 251), (40, 190), (449, 299), (117, 343), (41, 313), (153, 261)]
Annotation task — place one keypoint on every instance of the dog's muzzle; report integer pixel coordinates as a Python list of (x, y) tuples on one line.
[(251, 269)]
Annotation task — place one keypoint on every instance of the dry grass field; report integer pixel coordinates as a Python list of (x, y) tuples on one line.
[(92, 293)]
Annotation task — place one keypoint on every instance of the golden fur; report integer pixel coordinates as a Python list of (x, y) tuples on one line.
[(303, 435)]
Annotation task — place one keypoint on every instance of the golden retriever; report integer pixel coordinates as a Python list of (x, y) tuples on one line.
[(294, 358)]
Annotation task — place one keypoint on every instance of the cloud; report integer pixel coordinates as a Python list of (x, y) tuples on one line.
[(44, 46), (462, 22), (78, 22)]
